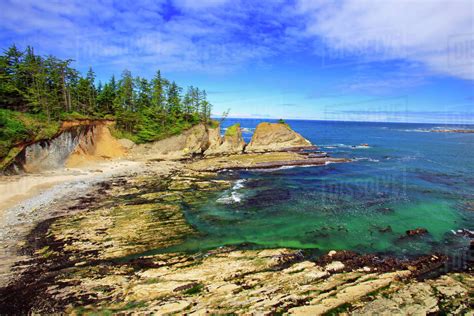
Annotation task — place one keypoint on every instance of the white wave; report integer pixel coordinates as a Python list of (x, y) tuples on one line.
[(233, 196), (284, 168), (429, 130), (247, 130), (416, 130), (332, 146), (366, 159), (239, 184)]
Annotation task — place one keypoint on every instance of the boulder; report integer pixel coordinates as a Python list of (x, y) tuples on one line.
[(276, 137), (231, 143), (416, 232)]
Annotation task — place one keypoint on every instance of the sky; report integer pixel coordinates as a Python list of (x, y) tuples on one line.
[(361, 60)]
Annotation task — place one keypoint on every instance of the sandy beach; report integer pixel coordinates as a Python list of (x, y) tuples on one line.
[(25, 199)]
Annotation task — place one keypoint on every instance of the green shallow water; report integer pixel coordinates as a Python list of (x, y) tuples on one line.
[(407, 179)]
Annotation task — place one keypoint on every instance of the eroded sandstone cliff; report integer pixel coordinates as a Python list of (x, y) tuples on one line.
[(76, 143)]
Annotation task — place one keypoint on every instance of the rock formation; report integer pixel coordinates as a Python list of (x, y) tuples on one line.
[(214, 140), (190, 142), (98, 145), (78, 142), (275, 137), (231, 143)]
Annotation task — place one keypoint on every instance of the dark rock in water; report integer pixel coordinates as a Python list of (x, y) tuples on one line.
[(267, 198), (387, 229), (416, 232), (318, 155), (464, 232), (469, 206)]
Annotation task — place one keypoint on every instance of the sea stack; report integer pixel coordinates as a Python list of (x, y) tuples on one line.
[(276, 137), (231, 143)]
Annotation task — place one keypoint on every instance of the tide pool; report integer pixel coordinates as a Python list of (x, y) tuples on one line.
[(407, 178)]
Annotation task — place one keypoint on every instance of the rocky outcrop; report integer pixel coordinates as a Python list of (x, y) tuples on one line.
[(275, 137), (185, 145), (231, 143), (77, 143), (268, 160), (207, 140), (214, 140)]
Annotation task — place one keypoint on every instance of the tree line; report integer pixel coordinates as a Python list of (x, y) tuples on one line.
[(148, 109)]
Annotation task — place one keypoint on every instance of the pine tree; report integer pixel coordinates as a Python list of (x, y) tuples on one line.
[(174, 99)]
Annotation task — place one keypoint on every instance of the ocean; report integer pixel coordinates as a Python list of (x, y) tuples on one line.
[(406, 178)]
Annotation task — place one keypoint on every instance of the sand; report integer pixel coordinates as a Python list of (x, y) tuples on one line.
[(24, 200)]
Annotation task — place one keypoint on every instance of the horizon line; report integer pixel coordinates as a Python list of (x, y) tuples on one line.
[(330, 120)]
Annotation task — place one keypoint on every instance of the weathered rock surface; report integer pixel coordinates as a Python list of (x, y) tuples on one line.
[(275, 137), (261, 161), (214, 140), (107, 258), (231, 143), (185, 145)]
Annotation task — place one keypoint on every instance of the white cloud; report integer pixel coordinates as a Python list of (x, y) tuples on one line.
[(199, 4), (221, 35), (437, 33)]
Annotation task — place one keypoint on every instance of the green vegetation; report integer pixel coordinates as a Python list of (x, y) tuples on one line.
[(281, 121), (36, 93), (232, 130), (196, 289), (18, 127)]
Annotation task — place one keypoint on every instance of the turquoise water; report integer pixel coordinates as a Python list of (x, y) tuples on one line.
[(407, 178)]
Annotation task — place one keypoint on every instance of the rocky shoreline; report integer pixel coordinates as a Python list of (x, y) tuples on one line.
[(105, 249), (95, 258)]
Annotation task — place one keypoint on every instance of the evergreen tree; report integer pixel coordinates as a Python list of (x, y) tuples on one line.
[(174, 99), (148, 109)]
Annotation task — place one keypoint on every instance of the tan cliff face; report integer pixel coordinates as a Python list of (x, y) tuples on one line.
[(275, 137), (98, 145), (77, 144)]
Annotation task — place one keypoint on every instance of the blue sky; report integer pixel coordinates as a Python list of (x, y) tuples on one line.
[(312, 59)]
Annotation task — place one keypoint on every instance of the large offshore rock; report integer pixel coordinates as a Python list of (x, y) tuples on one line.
[(231, 143), (275, 137)]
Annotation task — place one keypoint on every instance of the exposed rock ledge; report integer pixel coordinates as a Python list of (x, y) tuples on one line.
[(261, 161)]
